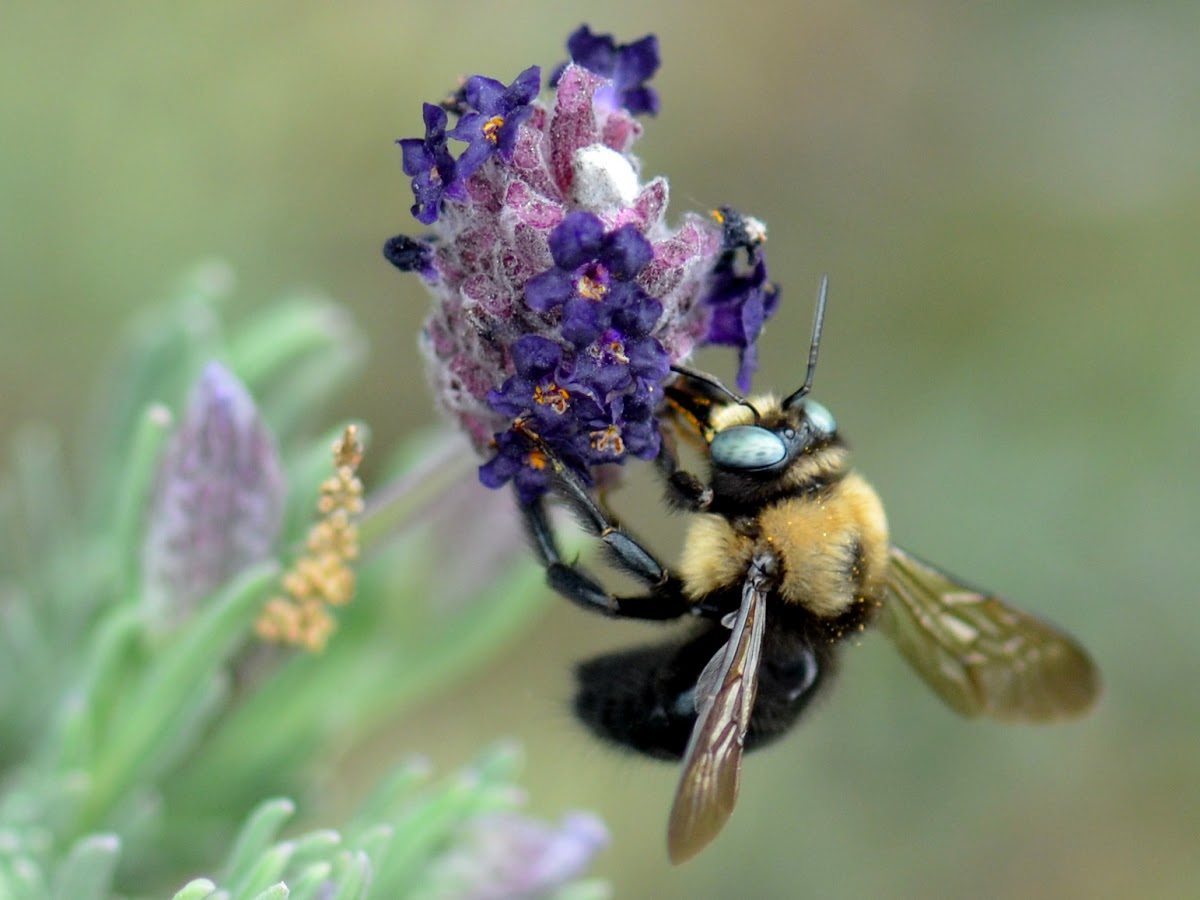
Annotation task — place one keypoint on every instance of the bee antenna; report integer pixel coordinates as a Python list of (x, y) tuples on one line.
[(813, 347), (712, 382)]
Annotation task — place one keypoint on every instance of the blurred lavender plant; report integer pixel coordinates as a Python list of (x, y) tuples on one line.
[(218, 500), (562, 297), (142, 722)]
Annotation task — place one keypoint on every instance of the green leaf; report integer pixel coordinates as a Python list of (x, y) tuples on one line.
[(21, 879), (84, 713), (198, 652), (86, 873), (308, 883), (315, 845), (196, 889), (384, 802), (287, 333), (429, 826), (290, 407), (161, 356), (266, 871), (351, 876), (133, 492), (260, 830)]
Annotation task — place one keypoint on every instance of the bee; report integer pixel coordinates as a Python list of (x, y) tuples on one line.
[(787, 555)]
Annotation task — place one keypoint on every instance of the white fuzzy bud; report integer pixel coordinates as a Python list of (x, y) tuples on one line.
[(604, 179)]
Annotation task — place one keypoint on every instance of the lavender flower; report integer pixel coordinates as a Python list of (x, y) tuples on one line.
[(629, 66), (503, 855), (562, 297), (592, 277), (741, 297), (499, 112), (434, 171), (218, 502)]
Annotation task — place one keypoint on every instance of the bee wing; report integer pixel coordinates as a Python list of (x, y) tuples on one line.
[(982, 656), (712, 763)]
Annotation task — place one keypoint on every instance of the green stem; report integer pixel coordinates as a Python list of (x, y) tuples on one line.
[(441, 463)]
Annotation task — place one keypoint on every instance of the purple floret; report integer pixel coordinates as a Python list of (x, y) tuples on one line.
[(741, 303), (592, 278), (629, 66), (499, 111), (516, 460), (433, 170)]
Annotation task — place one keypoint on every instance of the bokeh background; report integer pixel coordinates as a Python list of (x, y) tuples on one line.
[(1007, 201)]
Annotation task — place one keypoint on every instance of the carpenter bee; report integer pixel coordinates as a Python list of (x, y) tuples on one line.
[(787, 555)]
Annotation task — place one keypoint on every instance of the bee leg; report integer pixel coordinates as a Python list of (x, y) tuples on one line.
[(684, 491), (623, 549), (665, 600)]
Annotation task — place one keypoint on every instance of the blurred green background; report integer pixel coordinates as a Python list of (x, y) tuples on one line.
[(1007, 202)]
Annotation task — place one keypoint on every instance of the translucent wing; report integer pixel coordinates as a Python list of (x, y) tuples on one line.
[(712, 763), (983, 657)]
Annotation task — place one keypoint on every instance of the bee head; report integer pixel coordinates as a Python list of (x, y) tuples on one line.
[(782, 432), (778, 436)]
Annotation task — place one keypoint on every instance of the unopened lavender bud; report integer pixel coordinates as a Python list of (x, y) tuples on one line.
[(218, 500), (604, 179), (512, 855)]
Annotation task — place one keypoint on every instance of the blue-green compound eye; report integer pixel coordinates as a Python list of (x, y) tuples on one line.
[(819, 417), (747, 447)]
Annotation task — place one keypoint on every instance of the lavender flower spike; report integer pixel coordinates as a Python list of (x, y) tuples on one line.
[(218, 499), (561, 295)]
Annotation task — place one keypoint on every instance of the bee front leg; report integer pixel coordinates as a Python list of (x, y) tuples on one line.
[(623, 548), (665, 600), (684, 491)]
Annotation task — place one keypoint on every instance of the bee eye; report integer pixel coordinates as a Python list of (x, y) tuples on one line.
[(747, 447), (819, 417)]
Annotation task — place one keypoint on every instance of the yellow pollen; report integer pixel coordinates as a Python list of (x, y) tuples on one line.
[(536, 459), (719, 216), (591, 288), (609, 440), (491, 129), (321, 577), (553, 396)]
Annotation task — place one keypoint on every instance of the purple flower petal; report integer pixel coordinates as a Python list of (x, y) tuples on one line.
[(628, 65), (507, 855), (626, 252), (433, 170), (741, 303), (549, 290), (535, 356), (577, 240), (638, 315), (499, 111), (583, 320)]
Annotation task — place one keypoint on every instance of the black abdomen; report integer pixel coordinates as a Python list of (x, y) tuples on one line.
[(643, 699)]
